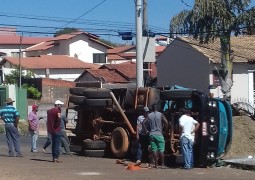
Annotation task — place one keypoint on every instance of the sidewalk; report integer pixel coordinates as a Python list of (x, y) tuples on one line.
[(242, 163)]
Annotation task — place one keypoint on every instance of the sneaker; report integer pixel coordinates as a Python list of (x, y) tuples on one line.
[(34, 151), (44, 150), (138, 162), (20, 155), (57, 161)]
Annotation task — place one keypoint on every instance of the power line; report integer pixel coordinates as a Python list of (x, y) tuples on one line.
[(84, 13)]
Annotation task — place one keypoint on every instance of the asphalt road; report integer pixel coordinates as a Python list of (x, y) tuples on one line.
[(38, 166)]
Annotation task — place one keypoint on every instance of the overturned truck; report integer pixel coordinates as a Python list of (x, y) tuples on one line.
[(106, 119)]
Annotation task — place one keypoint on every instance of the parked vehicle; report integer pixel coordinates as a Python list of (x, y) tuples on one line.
[(106, 119)]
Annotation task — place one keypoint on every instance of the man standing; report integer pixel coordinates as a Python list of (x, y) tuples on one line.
[(142, 137), (64, 138), (187, 130), (33, 127), (157, 121), (54, 128), (11, 118)]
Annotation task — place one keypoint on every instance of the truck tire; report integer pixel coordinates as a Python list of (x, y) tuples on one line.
[(89, 144), (89, 84), (77, 91), (119, 142), (94, 153), (77, 100), (97, 93), (98, 102)]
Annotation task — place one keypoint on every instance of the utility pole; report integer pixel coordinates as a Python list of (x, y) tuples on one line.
[(20, 69), (139, 50), (145, 32)]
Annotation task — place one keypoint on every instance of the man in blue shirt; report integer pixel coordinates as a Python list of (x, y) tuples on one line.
[(11, 118)]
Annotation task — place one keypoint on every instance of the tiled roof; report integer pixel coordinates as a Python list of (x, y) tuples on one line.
[(107, 76), (15, 40), (99, 42), (242, 46), (128, 69), (41, 46), (119, 49), (50, 43), (57, 83), (114, 57), (73, 34), (128, 55), (159, 49), (50, 62)]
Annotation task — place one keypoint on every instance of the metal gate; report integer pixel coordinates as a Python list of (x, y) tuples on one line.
[(2, 96)]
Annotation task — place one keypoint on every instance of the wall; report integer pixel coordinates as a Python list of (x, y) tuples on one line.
[(180, 64), (84, 48), (8, 49), (64, 74)]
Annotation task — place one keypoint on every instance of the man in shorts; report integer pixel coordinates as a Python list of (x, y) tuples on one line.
[(157, 121)]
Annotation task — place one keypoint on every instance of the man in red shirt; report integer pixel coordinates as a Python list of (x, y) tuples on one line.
[(54, 128)]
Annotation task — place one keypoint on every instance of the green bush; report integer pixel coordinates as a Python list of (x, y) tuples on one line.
[(32, 92)]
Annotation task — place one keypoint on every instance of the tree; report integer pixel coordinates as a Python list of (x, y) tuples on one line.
[(13, 78), (67, 30), (210, 19)]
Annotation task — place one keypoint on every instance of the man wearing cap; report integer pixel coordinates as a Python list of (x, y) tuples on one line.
[(142, 137), (11, 118), (33, 127), (54, 128)]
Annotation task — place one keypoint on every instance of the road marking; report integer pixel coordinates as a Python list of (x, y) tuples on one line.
[(89, 173)]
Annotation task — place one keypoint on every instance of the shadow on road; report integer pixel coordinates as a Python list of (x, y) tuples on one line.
[(41, 160)]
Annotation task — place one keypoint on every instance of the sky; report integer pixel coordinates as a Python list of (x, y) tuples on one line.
[(102, 17)]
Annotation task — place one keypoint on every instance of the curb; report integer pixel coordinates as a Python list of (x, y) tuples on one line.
[(244, 164)]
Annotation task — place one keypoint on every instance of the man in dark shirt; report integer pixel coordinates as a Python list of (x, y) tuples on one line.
[(54, 128)]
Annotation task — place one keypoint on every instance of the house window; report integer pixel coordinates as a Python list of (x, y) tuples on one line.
[(99, 58), (16, 54)]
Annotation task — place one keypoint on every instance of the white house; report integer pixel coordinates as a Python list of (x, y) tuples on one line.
[(82, 45), (49, 66), (188, 63), (11, 43)]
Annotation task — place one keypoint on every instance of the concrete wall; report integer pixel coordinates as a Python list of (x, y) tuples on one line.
[(180, 64)]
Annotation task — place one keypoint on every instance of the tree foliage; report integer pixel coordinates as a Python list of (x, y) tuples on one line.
[(67, 30), (210, 19), (13, 78)]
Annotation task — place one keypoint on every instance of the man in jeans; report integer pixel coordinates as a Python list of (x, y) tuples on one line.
[(33, 127), (187, 130), (54, 128), (11, 118)]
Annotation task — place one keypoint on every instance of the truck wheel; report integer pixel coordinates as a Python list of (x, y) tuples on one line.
[(94, 153), (98, 102), (77, 91), (77, 100), (89, 144), (119, 142), (89, 84), (97, 93)]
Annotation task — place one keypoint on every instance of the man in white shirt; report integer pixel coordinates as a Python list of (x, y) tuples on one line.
[(187, 131)]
